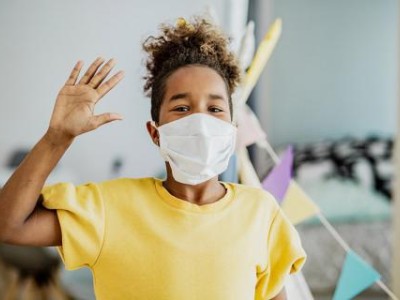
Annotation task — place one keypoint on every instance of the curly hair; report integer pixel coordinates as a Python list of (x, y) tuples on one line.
[(187, 43)]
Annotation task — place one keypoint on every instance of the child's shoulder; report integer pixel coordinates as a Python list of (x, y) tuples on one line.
[(255, 194), (127, 182)]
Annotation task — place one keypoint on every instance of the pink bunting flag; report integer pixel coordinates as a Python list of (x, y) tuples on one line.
[(278, 180), (249, 129), (356, 276)]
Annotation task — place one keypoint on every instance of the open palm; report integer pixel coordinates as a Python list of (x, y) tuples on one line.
[(73, 112)]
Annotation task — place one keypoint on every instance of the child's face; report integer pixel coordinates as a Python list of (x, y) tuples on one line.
[(193, 89)]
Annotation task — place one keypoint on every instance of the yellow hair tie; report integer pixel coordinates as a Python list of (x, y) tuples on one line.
[(181, 22)]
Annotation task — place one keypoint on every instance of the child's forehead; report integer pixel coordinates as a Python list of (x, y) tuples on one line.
[(194, 70), (195, 78)]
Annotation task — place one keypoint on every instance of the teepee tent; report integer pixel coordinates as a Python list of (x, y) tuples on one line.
[(249, 129)]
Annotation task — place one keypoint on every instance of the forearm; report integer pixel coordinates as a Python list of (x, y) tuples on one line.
[(73, 114), (19, 196)]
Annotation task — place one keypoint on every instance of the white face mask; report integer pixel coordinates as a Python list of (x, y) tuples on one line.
[(197, 147)]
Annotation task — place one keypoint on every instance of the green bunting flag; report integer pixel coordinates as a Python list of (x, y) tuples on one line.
[(356, 276)]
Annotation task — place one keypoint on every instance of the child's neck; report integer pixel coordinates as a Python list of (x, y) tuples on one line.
[(204, 193)]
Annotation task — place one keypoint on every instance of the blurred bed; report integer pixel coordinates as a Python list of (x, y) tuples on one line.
[(350, 180)]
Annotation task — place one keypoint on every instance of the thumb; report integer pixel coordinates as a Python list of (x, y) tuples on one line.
[(105, 118)]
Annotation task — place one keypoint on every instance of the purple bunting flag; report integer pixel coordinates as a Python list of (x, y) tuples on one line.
[(278, 180)]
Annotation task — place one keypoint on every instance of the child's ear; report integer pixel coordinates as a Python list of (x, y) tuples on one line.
[(153, 132)]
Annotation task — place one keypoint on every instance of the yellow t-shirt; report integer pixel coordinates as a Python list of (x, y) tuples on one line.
[(143, 243)]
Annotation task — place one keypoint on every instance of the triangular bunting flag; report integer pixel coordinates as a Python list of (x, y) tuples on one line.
[(297, 205), (356, 276), (278, 179), (249, 129)]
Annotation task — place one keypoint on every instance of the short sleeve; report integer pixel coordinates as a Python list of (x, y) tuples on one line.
[(80, 211), (285, 256)]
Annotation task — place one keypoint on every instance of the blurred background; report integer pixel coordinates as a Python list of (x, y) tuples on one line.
[(330, 89)]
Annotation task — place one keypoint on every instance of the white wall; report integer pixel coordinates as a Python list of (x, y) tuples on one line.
[(40, 42), (333, 72)]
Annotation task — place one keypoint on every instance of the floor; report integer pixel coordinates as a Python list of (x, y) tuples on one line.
[(80, 284)]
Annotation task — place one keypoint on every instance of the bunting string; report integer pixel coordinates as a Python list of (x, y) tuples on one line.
[(264, 144)]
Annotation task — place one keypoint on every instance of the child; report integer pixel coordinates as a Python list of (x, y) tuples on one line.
[(189, 236)]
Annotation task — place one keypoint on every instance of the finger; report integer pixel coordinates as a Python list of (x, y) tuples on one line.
[(105, 118), (74, 74), (102, 74), (91, 71), (110, 84)]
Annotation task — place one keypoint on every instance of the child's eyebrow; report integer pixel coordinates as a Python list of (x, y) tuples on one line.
[(216, 97), (179, 96), (186, 95)]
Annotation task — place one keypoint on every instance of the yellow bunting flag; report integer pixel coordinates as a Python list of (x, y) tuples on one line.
[(260, 59), (297, 205)]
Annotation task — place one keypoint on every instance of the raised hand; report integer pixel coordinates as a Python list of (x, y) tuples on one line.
[(73, 112)]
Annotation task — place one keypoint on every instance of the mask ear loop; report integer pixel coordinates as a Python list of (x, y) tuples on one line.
[(154, 124)]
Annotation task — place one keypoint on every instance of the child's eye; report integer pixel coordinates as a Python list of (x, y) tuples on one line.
[(215, 109), (181, 108)]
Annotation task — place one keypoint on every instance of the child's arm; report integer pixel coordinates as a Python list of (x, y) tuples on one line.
[(23, 221)]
